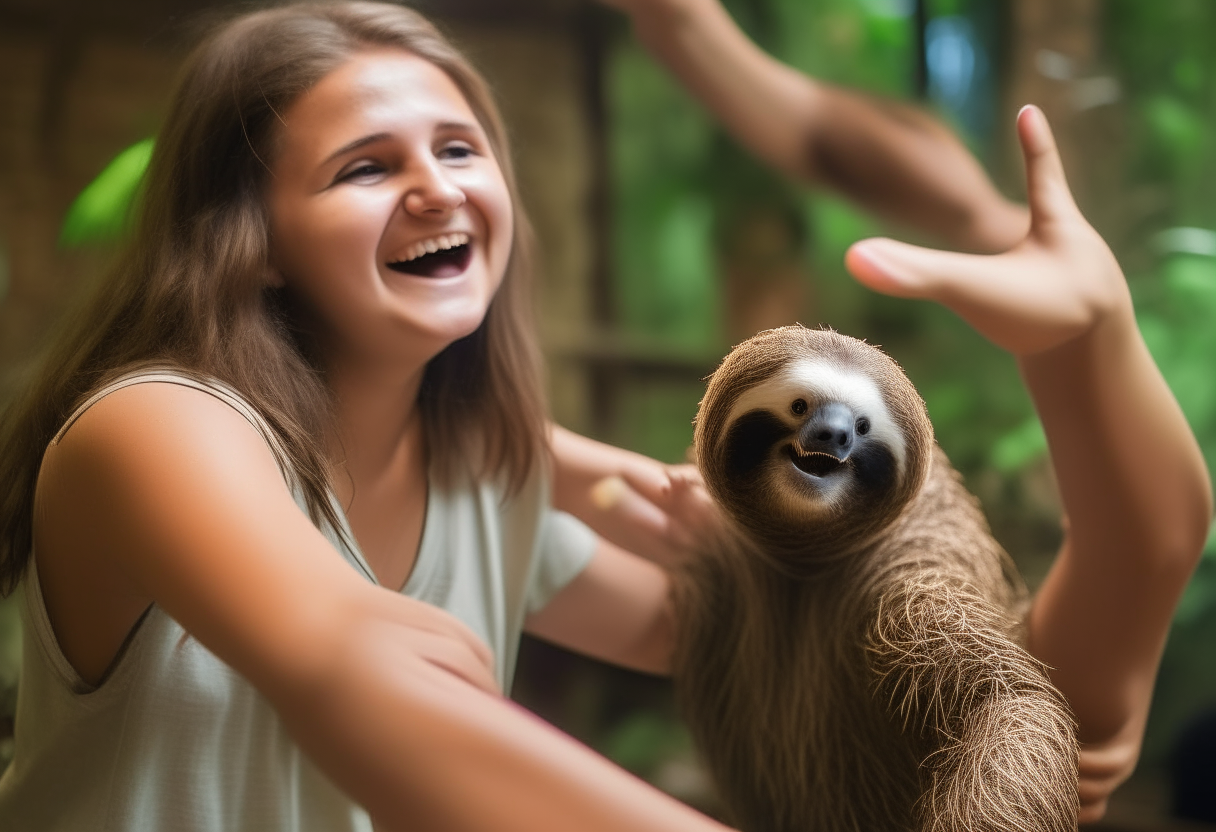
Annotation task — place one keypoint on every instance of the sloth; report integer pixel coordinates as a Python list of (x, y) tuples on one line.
[(850, 656)]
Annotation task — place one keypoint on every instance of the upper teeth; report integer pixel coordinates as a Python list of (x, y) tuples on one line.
[(442, 243)]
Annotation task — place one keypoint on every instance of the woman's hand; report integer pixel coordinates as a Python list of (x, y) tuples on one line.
[(436, 637), (1058, 283), (673, 510), (661, 512)]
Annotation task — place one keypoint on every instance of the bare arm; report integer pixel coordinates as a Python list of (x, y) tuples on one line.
[(889, 158), (1135, 488), (1138, 503), (618, 610), (391, 697)]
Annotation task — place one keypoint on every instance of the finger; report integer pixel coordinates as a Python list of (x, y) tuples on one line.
[(690, 502), (685, 475), (679, 502), (907, 271), (1092, 812), (454, 657), (650, 481), (1046, 185), (432, 620), (613, 495)]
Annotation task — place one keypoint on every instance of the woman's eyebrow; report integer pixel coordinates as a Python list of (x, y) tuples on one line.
[(375, 137), (457, 125), (355, 145)]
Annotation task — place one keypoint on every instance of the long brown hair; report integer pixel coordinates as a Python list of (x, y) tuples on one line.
[(189, 287)]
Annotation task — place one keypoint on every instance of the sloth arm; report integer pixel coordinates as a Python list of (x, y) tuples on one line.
[(1003, 754), (887, 157)]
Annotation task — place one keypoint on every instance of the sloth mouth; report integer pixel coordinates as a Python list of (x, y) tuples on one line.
[(815, 463)]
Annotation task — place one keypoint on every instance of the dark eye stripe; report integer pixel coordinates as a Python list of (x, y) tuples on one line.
[(749, 440)]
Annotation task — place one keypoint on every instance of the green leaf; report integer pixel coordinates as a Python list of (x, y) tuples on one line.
[(99, 214)]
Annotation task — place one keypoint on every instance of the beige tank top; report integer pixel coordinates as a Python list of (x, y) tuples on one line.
[(174, 739)]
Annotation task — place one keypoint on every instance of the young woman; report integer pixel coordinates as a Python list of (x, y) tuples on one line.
[(278, 500), (324, 307)]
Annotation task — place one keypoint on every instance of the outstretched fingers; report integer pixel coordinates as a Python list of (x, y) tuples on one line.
[(672, 512), (1048, 289), (443, 640)]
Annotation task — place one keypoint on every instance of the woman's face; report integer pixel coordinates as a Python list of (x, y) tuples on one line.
[(390, 218)]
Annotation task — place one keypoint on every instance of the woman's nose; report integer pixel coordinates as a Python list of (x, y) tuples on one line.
[(430, 190)]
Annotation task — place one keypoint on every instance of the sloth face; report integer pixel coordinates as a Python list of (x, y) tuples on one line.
[(814, 442), (818, 435)]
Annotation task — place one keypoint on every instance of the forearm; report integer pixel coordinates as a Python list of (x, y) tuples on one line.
[(422, 750), (1138, 501), (904, 166), (618, 610), (766, 105), (889, 158)]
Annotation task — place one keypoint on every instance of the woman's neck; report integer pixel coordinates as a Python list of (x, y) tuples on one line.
[(378, 425)]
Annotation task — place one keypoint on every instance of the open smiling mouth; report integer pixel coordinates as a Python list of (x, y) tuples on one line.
[(447, 262), (815, 463)]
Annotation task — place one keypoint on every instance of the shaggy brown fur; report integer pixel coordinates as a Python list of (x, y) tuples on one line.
[(860, 667)]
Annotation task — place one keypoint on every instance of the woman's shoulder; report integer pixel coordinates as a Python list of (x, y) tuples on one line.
[(145, 474), (150, 427), (154, 436), (161, 399), (178, 402)]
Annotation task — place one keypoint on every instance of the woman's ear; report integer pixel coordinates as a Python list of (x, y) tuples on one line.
[(274, 278)]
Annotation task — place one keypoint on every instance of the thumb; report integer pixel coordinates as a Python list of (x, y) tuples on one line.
[(909, 271), (1046, 186)]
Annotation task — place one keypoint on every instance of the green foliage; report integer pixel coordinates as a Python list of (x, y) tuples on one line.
[(664, 264), (643, 740), (1019, 447), (100, 213)]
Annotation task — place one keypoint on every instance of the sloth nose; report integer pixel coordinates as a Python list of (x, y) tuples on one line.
[(829, 431)]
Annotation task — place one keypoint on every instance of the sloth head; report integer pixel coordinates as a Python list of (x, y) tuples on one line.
[(812, 441)]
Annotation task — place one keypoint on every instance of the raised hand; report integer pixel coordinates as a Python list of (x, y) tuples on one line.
[(1057, 284)]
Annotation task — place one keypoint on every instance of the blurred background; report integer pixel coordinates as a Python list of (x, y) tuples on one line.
[(664, 243)]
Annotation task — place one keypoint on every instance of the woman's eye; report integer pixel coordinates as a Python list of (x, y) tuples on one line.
[(456, 152), (362, 172)]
